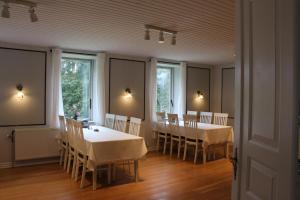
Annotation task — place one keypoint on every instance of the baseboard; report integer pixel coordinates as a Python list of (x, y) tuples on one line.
[(5, 165), (23, 163)]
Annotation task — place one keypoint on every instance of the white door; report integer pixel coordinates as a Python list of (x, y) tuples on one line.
[(266, 108)]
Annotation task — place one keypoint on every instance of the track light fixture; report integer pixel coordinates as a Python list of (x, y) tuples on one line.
[(147, 34), (162, 32), (173, 42), (32, 5), (161, 38), (33, 16), (5, 11)]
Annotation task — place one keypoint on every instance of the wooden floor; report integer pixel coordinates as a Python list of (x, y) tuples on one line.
[(161, 178)]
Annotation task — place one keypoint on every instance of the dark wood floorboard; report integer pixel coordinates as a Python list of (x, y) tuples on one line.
[(161, 177)]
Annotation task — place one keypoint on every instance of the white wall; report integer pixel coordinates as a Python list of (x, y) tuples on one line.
[(216, 97), (6, 152)]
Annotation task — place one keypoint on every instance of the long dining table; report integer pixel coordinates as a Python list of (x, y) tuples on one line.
[(209, 134), (108, 146)]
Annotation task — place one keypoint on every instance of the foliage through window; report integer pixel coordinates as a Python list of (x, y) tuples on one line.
[(164, 81), (76, 86)]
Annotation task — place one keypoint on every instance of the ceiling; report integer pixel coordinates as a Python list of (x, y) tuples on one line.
[(205, 27)]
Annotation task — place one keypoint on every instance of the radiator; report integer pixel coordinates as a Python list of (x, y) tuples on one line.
[(35, 143)]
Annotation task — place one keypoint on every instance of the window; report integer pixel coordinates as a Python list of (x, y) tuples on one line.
[(164, 81), (76, 86)]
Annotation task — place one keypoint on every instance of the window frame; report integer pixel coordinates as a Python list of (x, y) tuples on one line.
[(171, 88), (92, 60)]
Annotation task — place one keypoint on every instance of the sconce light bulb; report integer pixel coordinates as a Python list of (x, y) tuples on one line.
[(20, 95)]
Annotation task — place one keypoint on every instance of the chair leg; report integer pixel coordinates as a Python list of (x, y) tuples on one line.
[(171, 147), (83, 176), (185, 148), (73, 167), (109, 173), (179, 147), (66, 159), (165, 145), (196, 154), (69, 162), (61, 156), (77, 169), (157, 143), (95, 179)]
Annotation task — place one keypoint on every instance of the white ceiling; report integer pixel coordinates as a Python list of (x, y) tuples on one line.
[(205, 27)]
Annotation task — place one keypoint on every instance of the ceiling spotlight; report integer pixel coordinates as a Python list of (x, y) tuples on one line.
[(147, 34), (5, 10), (33, 16), (173, 42), (161, 38)]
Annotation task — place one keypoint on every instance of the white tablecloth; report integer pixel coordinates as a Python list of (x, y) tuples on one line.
[(209, 133), (109, 146)]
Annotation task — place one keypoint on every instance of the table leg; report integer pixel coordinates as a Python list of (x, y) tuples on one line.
[(136, 172), (204, 154), (95, 179), (226, 150)]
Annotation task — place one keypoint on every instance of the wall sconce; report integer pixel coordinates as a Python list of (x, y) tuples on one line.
[(128, 92), (200, 95), (20, 94)]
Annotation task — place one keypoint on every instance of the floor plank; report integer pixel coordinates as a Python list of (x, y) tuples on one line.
[(162, 177)]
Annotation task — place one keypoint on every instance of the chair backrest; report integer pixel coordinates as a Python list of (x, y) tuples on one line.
[(134, 126), (190, 121), (220, 118), (206, 117), (70, 132), (109, 120), (189, 112), (173, 124), (120, 123), (62, 124), (79, 141), (160, 116), (63, 128)]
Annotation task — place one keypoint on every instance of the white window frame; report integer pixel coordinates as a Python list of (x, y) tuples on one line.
[(92, 59)]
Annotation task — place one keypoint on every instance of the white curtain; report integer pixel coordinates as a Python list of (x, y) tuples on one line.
[(152, 90), (99, 89), (180, 90), (56, 101)]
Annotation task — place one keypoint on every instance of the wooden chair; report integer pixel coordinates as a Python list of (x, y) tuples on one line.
[(120, 123), (220, 118), (173, 127), (191, 136), (194, 113), (64, 144), (109, 120), (72, 147), (162, 132), (82, 157), (206, 117), (134, 126)]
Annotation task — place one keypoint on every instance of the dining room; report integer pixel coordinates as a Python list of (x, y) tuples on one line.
[(131, 99)]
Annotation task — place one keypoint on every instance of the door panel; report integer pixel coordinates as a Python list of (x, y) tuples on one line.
[(268, 111)]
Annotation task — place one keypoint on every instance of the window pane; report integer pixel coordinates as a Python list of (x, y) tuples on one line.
[(76, 87), (164, 88)]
